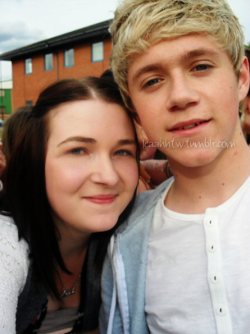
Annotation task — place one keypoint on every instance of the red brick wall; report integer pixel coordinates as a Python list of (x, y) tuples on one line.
[(27, 87)]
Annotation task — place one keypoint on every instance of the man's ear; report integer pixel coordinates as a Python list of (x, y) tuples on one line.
[(244, 79)]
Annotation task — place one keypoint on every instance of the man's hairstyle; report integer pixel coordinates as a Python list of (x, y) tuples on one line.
[(138, 24)]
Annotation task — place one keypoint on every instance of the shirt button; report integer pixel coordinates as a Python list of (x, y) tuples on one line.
[(221, 311), (214, 279), (211, 248), (209, 222)]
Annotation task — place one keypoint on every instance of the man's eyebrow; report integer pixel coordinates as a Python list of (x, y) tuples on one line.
[(186, 56), (78, 139), (200, 52), (146, 69)]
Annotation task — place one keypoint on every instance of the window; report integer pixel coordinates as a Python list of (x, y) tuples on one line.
[(97, 52), (69, 58), (48, 62), (28, 66)]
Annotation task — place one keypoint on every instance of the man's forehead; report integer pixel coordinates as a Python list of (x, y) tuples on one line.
[(167, 50)]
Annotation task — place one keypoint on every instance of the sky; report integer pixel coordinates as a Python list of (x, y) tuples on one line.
[(23, 22)]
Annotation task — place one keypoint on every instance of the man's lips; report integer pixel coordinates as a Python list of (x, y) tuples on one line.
[(189, 125), (101, 199)]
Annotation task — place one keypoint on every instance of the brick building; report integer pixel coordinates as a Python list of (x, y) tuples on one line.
[(75, 54)]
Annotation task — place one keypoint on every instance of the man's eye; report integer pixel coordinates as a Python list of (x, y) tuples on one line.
[(201, 67), (151, 82)]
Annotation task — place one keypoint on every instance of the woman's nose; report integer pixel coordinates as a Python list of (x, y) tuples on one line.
[(104, 171)]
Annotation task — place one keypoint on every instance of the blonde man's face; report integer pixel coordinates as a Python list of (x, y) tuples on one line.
[(187, 96)]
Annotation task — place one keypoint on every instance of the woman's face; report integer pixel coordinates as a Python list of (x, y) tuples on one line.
[(90, 169)]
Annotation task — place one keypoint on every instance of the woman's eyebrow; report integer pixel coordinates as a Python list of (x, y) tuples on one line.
[(79, 139)]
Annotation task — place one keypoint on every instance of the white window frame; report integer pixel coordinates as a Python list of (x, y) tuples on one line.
[(48, 61), (97, 52), (69, 60), (28, 66)]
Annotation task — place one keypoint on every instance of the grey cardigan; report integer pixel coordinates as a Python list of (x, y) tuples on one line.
[(124, 273)]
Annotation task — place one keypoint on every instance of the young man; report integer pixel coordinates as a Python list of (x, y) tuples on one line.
[(181, 264)]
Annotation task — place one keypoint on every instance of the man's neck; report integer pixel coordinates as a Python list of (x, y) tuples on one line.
[(196, 189)]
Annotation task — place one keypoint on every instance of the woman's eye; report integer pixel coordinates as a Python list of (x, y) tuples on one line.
[(78, 151), (124, 153)]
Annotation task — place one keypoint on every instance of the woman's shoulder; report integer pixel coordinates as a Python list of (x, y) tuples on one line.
[(14, 253), (14, 267), (8, 228), (10, 243), (7, 222)]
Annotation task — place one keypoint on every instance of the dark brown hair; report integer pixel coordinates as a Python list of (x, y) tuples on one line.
[(25, 197)]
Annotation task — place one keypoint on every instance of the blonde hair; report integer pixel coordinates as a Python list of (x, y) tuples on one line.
[(138, 24)]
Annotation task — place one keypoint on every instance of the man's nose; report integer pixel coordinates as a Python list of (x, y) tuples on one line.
[(181, 94)]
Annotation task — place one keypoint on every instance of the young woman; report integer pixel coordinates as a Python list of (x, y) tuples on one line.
[(70, 179)]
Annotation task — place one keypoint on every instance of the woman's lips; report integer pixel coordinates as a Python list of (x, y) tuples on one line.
[(101, 199)]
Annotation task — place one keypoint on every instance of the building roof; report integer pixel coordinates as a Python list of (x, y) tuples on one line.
[(99, 30)]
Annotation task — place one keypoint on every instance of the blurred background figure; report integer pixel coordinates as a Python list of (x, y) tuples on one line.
[(153, 164), (12, 130), (2, 164), (2, 159)]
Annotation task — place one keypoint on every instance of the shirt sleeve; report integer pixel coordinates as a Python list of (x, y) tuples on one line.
[(14, 263)]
